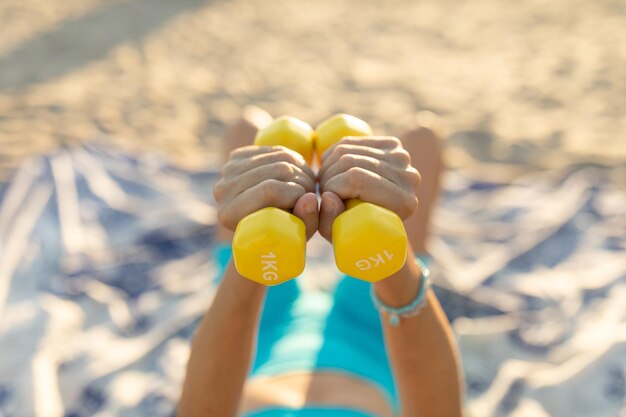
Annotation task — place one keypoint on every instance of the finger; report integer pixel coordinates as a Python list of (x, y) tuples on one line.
[(403, 176), (265, 156), (306, 209), (397, 156), (268, 193), (372, 188), (378, 142), (381, 142), (252, 150), (331, 206), (281, 170)]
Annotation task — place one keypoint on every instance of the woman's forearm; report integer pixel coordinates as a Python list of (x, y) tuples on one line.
[(222, 349), (422, 350)]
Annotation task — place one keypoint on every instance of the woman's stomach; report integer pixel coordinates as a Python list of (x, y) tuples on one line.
[(299, 389)]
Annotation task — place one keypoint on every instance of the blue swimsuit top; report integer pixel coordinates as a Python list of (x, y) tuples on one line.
[(336, 331)]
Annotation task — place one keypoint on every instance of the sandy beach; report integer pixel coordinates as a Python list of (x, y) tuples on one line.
[(524, 85)]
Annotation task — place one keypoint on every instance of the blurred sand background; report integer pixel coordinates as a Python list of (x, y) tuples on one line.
[(519, 87), (522, 85)]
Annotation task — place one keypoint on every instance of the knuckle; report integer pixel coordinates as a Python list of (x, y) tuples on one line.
[(218, 190), (348, 139), (271, 148), (417, 177), (342, 149), (356, 177), (237, 153), (394, 141), (401, 156), (224, 218), (307, 183), (230, 167), (384, 142), (409, 206), (289, 194), (283, 170), (293, 191), (351, 140), (389, 142), (289, 155), (413, 176), (270, 190), (346, 162)]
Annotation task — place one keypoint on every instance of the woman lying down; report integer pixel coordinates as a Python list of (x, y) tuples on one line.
[(365, 350)]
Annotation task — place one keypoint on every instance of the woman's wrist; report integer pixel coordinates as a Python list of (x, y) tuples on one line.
[(245, 293), (401, 288)]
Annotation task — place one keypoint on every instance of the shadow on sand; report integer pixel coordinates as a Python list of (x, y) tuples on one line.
[(76, 43)]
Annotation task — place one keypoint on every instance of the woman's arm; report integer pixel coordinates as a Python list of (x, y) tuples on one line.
[(422, 349), (253, 178), (222, 349)]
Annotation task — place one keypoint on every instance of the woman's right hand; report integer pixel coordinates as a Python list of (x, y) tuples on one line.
[(256, 177)]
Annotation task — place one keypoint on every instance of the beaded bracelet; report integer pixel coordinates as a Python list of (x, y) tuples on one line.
[(414, 307)]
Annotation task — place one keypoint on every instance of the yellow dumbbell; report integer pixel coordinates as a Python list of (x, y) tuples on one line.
[(269, 245), (369, 241)]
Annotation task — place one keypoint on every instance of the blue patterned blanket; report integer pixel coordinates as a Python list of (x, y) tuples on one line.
[(106, 266)]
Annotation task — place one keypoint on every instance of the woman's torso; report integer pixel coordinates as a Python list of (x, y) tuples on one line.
[(319, 348)]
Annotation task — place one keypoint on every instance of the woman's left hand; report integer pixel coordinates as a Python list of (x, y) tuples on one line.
[(373, 169)]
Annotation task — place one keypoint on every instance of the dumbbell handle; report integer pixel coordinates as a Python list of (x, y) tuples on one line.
[(358, 128), (369, 241), (269, 245)]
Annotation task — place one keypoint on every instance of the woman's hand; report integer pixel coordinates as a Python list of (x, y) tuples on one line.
[(256, 177), (373, 169)]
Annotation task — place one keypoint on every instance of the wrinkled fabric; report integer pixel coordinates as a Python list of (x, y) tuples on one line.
[(106, 266)]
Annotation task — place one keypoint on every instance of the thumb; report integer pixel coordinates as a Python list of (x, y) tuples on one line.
[(330, 208), (306, 209)]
